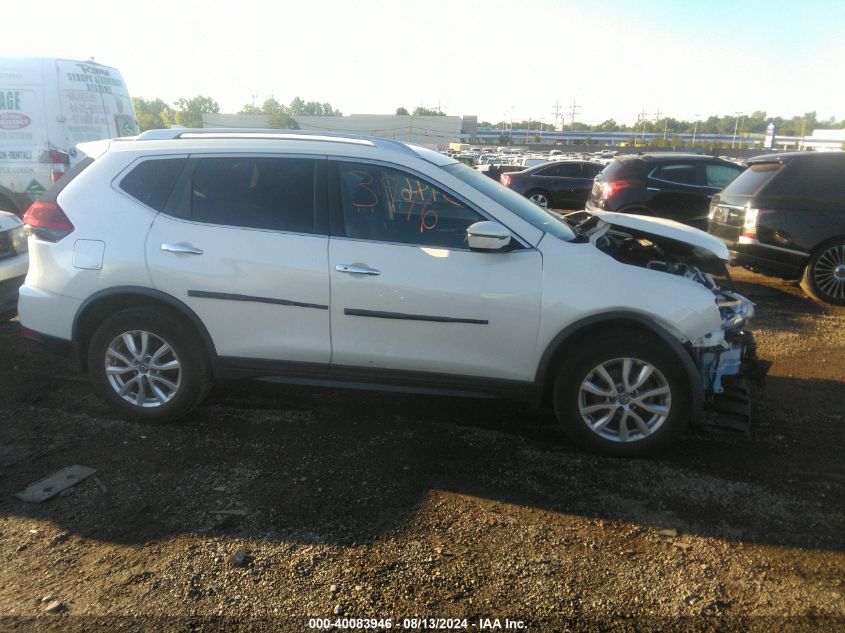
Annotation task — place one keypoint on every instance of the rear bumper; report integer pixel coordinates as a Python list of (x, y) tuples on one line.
[(52, 344), (755, 255), (9, 289), (768, 259)]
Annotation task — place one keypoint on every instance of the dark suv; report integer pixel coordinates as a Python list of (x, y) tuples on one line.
[(785, 217), (666, 185)]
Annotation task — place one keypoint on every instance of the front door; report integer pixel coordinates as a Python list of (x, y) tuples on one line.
[(408, 294)]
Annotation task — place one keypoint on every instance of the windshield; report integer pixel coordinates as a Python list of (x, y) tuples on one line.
[(512, 201)]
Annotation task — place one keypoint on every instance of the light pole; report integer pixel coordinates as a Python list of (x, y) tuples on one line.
[(695, 128), (736, 127)]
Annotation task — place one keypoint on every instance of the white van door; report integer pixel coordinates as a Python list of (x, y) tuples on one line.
[(94, 103)]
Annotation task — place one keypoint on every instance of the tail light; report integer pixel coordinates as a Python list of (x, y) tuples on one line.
[(752, 217), (505, 180), (59, 163), (47, 221), (612, 187)]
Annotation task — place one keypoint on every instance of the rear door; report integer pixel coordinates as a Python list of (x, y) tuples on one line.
[(240, 242), (679, 192)]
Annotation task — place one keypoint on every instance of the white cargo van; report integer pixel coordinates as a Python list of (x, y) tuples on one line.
[(47, 106)]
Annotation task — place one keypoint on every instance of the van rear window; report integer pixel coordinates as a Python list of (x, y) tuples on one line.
[(152, 180), (753, 179)]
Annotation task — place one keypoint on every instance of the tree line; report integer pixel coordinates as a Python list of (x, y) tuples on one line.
[(754, 123), (155, 114)]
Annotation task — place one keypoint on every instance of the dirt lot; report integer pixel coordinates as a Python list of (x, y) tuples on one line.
[(369, 505)]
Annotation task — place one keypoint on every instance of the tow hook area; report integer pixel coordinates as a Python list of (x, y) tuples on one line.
[(726, 372)]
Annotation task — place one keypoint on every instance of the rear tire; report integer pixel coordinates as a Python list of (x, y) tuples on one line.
[(624, 396), (148, 365), (824, 274), (540, 198)]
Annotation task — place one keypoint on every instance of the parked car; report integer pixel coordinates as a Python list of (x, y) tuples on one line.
[(785, 217), (185, 256), (13, 262), (47, 106), (496, 170), (558, 185), (662, 184)]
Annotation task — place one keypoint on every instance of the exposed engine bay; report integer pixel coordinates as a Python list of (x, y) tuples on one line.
[(724, 357)]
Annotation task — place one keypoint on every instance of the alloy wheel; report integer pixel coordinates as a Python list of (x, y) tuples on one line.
[(829, 272), (624, 399), (540, 199), (143, 368)]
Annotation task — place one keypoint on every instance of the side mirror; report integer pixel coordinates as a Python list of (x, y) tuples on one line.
[(488, 236)]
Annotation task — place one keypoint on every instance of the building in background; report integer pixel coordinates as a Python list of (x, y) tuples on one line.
[(825, 140), (430, 131)]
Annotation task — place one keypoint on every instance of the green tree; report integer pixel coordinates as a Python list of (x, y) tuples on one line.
[(421, 111), (311, 108), (152, 114), (189, 111), (401, 110)]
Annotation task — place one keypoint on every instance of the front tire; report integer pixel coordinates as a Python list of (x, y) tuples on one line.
[(824, 274), (623, 396), (148, 365)]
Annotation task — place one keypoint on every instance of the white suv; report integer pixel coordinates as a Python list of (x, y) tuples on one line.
[(181, 257)]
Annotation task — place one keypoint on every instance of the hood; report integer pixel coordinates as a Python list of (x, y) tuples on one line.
[(704, 245), (8, 221)]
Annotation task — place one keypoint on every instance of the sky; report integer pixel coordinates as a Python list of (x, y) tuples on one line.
[(498, 60)]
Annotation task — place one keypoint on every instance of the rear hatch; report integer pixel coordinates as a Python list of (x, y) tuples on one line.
[(729, 217), (602, 188)]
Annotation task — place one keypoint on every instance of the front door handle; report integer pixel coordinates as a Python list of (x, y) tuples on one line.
[(181, 248), (356, 269)]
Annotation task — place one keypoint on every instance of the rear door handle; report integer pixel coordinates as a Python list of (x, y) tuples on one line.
[(356, 269), (182, 248)]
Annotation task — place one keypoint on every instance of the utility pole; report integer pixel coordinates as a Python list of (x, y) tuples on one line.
[(656, 117), (736, 126), (556, 112), (695, 128), (640, 117), (572, 110)]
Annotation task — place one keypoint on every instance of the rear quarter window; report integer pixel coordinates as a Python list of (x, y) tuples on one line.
[(152, 180), (614, 170)]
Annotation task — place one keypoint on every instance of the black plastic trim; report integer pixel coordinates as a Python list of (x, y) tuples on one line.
[(617, 318), (376, 314), (407, 381), (225, 296), (152, 294)]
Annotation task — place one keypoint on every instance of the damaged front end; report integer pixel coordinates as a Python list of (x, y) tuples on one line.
[(727, 357)]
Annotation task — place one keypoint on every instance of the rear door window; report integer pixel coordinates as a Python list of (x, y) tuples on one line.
[(681, 174), (260, 193), (562, 170)]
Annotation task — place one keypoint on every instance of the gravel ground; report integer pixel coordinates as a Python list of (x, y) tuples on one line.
[(365, 505)]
